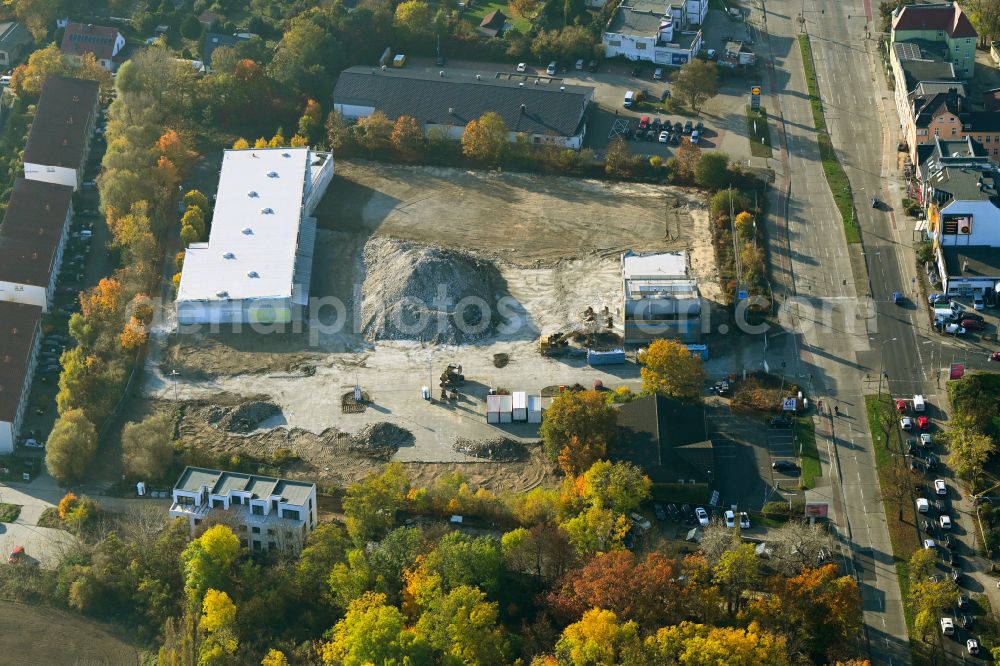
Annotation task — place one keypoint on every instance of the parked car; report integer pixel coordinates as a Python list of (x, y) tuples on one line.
[(695, 137), (640, 521), (592, 66), (688, 127), (929, 544), (702, 516), (901, 405), (522, 67), (945, 522), (16, 555), (665, 95), (972, 324), (551, 69), (969, 314), (658, 74), (967, 621), (579, 64), (664, 137), (939, 487), (784, 466), (923, 506), (947, 626), (926, 440), (744, 520), (911, 447), (977, 302), (779, 422), (972, 645), (953, 559), (660, 512), (730, 518), (897, 298), (934, 298), (950, 542), (923, 423), (643, 122), (953, 329), (963, 602), (906, 423)]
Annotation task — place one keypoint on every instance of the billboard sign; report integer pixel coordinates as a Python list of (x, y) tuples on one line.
[(816, 509)]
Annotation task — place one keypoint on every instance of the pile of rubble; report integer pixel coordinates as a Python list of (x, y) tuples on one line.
[(416, 292), (380, 440), (243, 418), (499, 449)]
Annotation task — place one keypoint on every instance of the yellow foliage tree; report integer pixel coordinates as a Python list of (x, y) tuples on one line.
[(278, 140), (485, 138), (174, 148), (189, 235), (744, 224), (134, 335), (217, 611), (298, 141), (274, 658), (260, 143), (67, 504), (702, 645), (241, 144), (599, 640), (671, 369)]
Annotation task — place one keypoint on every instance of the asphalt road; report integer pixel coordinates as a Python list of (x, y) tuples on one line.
[(839, 330)]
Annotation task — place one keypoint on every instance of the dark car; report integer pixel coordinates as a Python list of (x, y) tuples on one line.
[(636, 71), (688, 126), (700, 126), (651, 135), (928, 527), (950, 542), (779, 422), (875, 202), (784, 466), (969, 314), (661, 513), (592, 66), (656, 124), (916, 466), (675, 138), (953, 558), (911, 447), (971, 324), (967, 621), (963, 602), (678, 127), (665, 95)]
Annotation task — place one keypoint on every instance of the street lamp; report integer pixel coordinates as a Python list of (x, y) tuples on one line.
[(881, 361)]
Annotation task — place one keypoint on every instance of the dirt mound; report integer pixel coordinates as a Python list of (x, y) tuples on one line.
[(247, 417), (500, 449), (380, 440), (415, 292)]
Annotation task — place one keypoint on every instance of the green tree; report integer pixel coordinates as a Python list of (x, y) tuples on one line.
[(370, 506), (374, 133), (414, 17), (738, 571), (596, 530), (372, 632), (195, 199), (969, 450), (191, 27), (71, 446), (147, 449), (712, 171), (671, 369), (485, 139), (985, 16), (923, 562), (620, 487), (37, 15), (460, 560), (306, 56), (696, 83), (578, 418), (463, 628), (311, 122)]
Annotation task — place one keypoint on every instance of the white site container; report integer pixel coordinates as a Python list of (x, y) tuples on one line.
[(506, 408), (493, 409), (534, 409), (520, 413)]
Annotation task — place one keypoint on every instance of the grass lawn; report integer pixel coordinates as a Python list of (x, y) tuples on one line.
[(836, 177), (904, 536), (805, 433), (9, 512), (760, 140), (477, 12)]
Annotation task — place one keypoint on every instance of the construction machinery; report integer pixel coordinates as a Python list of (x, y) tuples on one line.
[(452, 376), (554, 344)]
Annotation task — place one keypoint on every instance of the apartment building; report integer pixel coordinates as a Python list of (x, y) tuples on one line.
[(943, 24), (59, 140), (266, 512)]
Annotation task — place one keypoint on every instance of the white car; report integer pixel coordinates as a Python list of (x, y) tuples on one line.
[(939, 487), (923, 506), (640, 521), (929, 544), (702, 516), (925, 439), (744, 520), (954, 329), (658, 74), (906, 423), (664, 137), (972, 645), (977, 302), (521, 67), (730, 519), (947, 626), (945, 522), (695, 137), (551, 69)]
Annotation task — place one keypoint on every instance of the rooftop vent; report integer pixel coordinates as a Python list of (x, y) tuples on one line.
[(521, 84), (252, 274), (478, 77), (272, 174), (267, 211), (524, 109), (451, 110), (383, 68), (247, 231), (285, 154), (222, 293), (441, 73), (562, 87), (252, 194), (228, 255)]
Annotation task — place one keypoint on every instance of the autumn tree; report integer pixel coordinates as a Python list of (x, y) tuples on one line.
[(702, 645), (274, 658), (696, 83), (37, 15), (208, 562), (370, 506), (968, 448), (575, 421), (669, 368), (485, 139), (923, 563), (462, 627), (241, 144), (618, 160), (599, 639), (407, 137), (339, 135), (620, 487), (194, 217), (985, 16), (70, 447), (796, 545), (174, 148), (596, 529), (540, 550), (372, 632), (712, 171), (218, 623), (525, 8), (147, 449), (374, 133), (645, 590), (685, 164), (414, 17), (928, 600), (196, 199), (738, 571), (459, 560), (744, 223)]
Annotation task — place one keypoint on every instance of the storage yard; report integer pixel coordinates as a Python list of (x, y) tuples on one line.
[(402, 246)]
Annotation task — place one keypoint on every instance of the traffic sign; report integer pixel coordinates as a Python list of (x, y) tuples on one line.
[(742, 295)]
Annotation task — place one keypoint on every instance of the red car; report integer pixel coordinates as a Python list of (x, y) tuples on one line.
[(923, 423), (900, 405), (644, 122), (972, 324), (15, 555)]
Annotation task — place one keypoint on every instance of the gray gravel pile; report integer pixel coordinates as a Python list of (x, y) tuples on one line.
[(381, 440), (500, 449), (428, 294), (247, 417)]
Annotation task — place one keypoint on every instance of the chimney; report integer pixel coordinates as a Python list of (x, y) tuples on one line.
[(524, 109)]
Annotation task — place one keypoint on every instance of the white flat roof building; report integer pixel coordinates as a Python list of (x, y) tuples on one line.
[(257, 263), (661, 298)]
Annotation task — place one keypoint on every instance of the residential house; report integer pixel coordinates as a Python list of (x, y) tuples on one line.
[(105, 43), (213, 41), (946, 114), (651, 31), (32, 238), (541, 109), (257, 263), (493, 24), (941, 23), (661, 298), (20, 331), (15, 40), (268, 513), (208, 18), (59, 140), (667, 439), (991, 100)]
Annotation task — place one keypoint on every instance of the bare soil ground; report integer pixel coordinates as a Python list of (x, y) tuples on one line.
[(41, 636), (556, 243)]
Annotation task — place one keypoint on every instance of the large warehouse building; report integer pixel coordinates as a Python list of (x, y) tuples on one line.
[(257, 263)]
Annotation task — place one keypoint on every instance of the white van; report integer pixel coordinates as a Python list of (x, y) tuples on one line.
[(5, 80), (918, 403), (629, 98)]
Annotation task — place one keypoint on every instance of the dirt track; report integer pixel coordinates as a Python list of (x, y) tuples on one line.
[(40, 636)]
